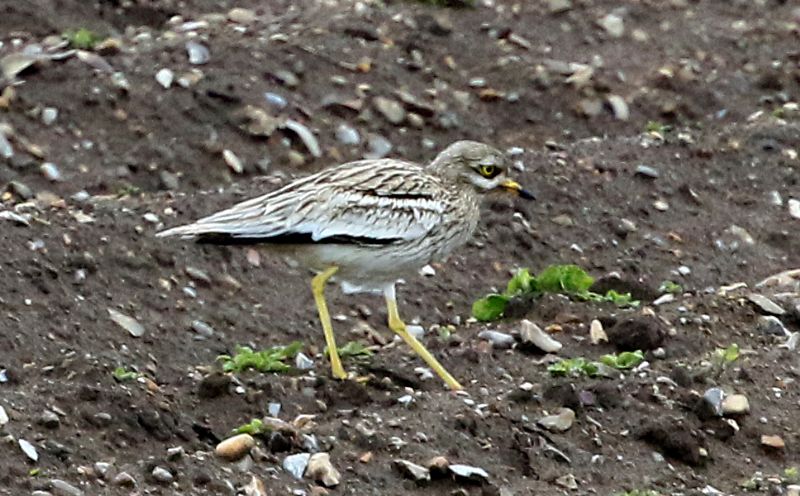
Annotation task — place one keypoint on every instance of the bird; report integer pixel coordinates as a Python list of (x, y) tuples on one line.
[(370, 223)]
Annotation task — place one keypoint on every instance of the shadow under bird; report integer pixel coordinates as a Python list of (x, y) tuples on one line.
[(370, 222)]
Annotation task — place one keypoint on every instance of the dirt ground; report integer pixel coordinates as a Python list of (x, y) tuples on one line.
[(583, 93)]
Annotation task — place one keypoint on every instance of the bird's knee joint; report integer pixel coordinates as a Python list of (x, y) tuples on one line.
[(319, 280), (397, 326)]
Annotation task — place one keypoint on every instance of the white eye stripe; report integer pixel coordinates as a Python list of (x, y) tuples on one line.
[(486, 184)]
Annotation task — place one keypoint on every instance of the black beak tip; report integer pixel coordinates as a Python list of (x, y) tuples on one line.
[(527, 195)]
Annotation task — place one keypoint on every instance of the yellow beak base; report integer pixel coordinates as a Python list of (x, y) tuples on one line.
[(515, 187)]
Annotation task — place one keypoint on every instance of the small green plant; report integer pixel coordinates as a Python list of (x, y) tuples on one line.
[(722, 358), (355, 351), (791, 475), (580, 366), (754, 483), (670, 287), (570, 280), (612, 296), (83, 39), (34, 472), (574, 367), (127, 190), (624, 360), (121, 374), (267, 360), (657, 127), (255, 428), (726, 356)]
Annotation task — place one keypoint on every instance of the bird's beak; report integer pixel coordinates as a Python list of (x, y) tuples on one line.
[(515, 187)]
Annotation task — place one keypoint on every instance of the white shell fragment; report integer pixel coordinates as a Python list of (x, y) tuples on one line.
[(531, 333), (305, 135), (29, 450), (128, 323), (596, 332)]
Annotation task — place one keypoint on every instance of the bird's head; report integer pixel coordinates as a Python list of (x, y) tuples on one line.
[(477, 165)]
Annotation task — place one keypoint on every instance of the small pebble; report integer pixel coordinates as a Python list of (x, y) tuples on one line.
[(241, 15), (165, 77), (28, 449), (416, 330), (286, 78), (765, 304), (647, 171), (296, 464), (124, 479), (499, 340), (321, 469), (712, 402), (65, 488), (151, 218), (771, 325), (51, 172), (390, 109), (49, 420), (305, 135), (597, 334), (773, 441), (427, 271), (790, 344), (175, 453), (235, 447), (302, 362), (378, 146), (49, 115), (233, 161), (560, 422), (794, 208), (532, 335), (198, 53), (203, 329), (619, 107), (412, 471), (275, 100), (567, 481), (665, 298), (735, 404), (474, 474), (128, 323), (347, 135), (661, 205), (162, 475), (613, 25)]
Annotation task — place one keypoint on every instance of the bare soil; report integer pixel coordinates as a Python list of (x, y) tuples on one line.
[(714, 76)]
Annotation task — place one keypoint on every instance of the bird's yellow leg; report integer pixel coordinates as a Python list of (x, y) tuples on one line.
[(318, 288), (397, 325)]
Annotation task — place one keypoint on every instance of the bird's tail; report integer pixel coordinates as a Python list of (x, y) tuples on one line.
[(187, 231)]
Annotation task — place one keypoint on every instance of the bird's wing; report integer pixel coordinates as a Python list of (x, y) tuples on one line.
[(370, 201)]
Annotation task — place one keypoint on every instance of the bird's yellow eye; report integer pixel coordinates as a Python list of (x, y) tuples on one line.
[(489, 171)]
